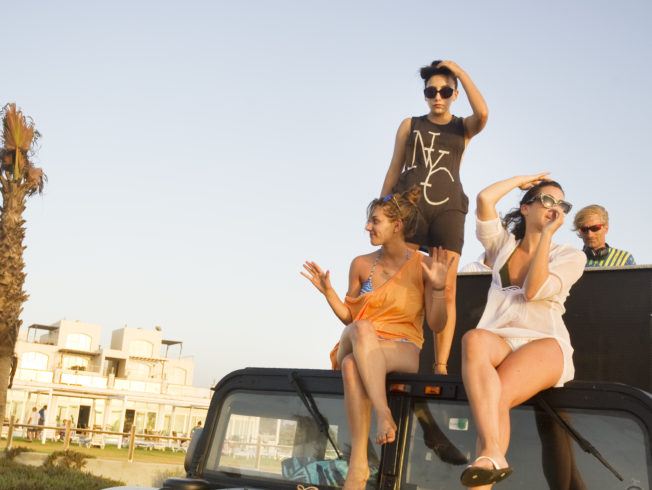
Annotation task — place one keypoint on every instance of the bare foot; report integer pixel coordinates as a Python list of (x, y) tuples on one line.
[(386, 428), (356, 479)]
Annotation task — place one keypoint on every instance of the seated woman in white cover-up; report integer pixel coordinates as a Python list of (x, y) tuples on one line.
[(521, 345)]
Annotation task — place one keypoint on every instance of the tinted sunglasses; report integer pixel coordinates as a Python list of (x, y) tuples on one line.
[(445, 92), (547, 201), (594, 228)]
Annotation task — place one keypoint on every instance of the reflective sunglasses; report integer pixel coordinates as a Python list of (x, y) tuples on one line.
[(547, 201), (594, 228), (445, 92)]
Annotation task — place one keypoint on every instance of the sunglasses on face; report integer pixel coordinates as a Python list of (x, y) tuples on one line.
[(594, 228), (445, 92), (547, 201)]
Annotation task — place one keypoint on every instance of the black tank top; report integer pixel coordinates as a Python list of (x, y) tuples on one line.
[(432, 161)]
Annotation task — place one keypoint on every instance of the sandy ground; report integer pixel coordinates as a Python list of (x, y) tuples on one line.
[(137, 474)]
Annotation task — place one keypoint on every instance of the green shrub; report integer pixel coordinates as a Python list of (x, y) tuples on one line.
[(10, 454), (16, 476), (68, 459)]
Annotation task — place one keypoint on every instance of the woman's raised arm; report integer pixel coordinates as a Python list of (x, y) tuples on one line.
[(489, 196), (435, 269), (538, 272), (398, 158), (321, 280)]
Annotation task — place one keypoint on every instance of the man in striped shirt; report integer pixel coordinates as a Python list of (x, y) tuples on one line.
[(592, 224)]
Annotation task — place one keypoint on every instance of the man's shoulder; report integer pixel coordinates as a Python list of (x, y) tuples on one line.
[(620, 257), (615, 258)]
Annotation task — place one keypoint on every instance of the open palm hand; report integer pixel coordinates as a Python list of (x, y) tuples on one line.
[(320, 279), (437, 268)]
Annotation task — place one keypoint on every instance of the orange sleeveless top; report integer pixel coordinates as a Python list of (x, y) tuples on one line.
[(395, 308)]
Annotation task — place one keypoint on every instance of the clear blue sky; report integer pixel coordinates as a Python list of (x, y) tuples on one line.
[(199, 152)]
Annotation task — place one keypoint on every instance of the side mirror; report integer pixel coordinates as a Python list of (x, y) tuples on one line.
[(190, 463)]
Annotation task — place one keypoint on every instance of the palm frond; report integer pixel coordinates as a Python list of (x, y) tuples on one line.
[(18, 142), (35, 179), (18, 130)]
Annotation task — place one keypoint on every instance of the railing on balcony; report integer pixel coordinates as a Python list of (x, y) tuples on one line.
[(92, 380)]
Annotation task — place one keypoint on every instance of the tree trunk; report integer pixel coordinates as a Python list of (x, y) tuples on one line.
[(5, 368), (12, 275)]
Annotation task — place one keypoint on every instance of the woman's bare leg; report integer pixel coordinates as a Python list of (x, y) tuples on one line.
[(374, 359), (358, 414), (444, 339), (482, 351), (534, 367), (520, 375)]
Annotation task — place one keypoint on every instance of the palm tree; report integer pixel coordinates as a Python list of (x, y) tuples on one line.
[(19, 179)]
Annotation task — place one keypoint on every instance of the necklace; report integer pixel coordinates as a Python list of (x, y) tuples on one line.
[(385, 271)]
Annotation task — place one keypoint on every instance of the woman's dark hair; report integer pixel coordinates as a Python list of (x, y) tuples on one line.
[(400, 206), (514, 221), (432, 70)]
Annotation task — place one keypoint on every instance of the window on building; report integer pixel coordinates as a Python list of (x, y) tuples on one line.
[(177, 376), (74, 362), (34, 360), (141, 348), (139, 370), (78, 341), (111, 367)]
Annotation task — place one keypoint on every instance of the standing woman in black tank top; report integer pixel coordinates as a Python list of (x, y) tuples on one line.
[(428, 153)]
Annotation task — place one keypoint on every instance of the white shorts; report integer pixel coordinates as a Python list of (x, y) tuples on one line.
[(517, 342)]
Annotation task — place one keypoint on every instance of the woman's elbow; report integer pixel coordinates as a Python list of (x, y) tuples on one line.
[(482, 201), (483, 115)]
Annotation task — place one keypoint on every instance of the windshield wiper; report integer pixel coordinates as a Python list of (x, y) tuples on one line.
[(583, 443), (314, 412)]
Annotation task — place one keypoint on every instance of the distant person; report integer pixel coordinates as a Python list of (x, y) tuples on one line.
[(592, 224), (32, 420), (389, 291), (521, 345), (428, 153), (198, 426), (41, 417)]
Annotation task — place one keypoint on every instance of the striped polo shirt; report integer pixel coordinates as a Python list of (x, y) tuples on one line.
[(614, 258)]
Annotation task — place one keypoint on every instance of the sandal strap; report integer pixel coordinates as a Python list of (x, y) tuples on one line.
[(490, 459)]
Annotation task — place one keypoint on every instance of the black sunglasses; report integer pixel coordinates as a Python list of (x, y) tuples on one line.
[(547, 201), (445, 92)]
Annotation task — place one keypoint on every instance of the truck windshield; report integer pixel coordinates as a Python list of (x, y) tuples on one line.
[(272, 436), (543, 455)]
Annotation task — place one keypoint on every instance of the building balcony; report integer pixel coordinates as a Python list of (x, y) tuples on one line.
[(37, 375)]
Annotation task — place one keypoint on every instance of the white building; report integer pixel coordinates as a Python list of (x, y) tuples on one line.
[(141, 379)]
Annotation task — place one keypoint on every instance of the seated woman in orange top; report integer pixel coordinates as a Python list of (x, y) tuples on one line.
[(383, 311)]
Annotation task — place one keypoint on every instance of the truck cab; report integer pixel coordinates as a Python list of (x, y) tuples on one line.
[(286, 428), (280, 428)]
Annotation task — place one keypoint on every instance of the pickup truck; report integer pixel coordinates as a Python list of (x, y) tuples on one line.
[(286, 428)]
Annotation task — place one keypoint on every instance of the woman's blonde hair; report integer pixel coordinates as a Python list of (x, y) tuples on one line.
[(400, 206)]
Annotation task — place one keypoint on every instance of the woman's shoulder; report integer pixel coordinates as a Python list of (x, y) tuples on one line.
[(364, 261)]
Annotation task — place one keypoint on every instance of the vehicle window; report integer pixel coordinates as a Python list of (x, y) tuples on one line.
[(273, 436), (543, 455)]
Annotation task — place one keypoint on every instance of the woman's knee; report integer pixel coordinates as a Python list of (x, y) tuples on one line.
[(363, 330), (473, 343)]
